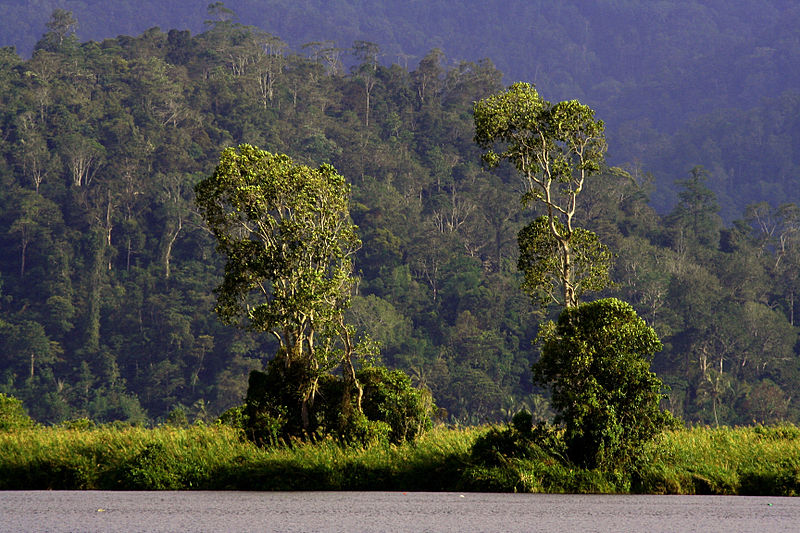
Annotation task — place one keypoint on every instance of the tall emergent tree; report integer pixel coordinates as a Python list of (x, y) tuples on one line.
[(286, 232), (555, 148), (596, 359)]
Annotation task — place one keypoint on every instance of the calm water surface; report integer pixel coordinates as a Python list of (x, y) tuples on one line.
[(389, 511)]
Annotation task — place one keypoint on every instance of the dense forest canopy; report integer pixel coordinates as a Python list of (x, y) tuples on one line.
[(107, 271), (679, 83)]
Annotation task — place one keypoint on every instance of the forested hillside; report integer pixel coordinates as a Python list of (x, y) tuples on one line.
[(106, 305), (678, 82)]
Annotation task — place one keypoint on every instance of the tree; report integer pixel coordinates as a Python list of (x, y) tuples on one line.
[(366, 71), (219, 14), (286, 232), (32, 152), (697, 210), (60, 28), (596, 360), (544, 267), (268, 64), (428, 78), (36, 217), (555, 148), (82, 156), (25, 347)]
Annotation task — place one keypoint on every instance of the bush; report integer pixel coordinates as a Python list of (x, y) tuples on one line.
[(596, 360), (177, 417), (390, 397), (233, 417), (392, 409), (519, 440), (272, 408), (13, 415), (358, 430)]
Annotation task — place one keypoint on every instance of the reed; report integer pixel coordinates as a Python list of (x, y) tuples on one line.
[(218, 457), (116, 458), (753, 460)]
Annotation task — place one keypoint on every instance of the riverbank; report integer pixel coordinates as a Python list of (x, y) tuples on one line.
[(753, 461)]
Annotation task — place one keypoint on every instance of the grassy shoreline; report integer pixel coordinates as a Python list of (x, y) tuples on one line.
[(751, 460)]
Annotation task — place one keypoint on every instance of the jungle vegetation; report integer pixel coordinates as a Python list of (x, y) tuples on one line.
[(108, 270)]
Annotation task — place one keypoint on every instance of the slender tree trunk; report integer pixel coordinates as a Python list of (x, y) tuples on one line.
[(567, 275), (170, 241), (22, 257), (349, 371)]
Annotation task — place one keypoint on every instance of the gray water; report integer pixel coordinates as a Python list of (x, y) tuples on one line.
[(389, 511)]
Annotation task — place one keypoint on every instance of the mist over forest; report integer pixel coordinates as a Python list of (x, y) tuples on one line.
[(106, 280), (678, 83)]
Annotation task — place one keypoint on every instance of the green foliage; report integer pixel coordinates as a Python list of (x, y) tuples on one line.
[(233, 417), (106, 308), (283, 228), (596, 361), (285, 231), (686, 461), (542, 265), (177, 417), (152, 469), (393, 410), (760, 460), (389, 397), (13, 415), (358, 430), (519, 440), (555, 148), (272, 407)]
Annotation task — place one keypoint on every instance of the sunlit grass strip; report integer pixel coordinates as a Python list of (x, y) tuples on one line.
[(433, 462), (218, 457), (57, 458), (747, 460), (758, 460)]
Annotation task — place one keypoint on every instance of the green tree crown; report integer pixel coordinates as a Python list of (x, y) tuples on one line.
[(596, 360)]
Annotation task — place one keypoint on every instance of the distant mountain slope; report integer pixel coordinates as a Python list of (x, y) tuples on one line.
[(648, 68)]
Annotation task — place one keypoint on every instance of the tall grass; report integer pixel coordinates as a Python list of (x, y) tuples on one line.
[(749, 460), (112, 458), (757, 460), (217, 457), (433, 462)]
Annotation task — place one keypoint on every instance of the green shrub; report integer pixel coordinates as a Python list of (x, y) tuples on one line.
[(390, 397), (273, 406), (358, 430), (233, 417), (78, 424), (392, 409), (177, 417), (519, 440), (596, 360), (13, 415), (153, 469)]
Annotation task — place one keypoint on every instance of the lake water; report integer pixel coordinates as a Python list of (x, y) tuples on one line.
[(55, 511)]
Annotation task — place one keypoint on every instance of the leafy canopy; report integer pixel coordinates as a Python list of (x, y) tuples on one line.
[(286, 232), (596, 360), (543, 266), (555, 148)]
